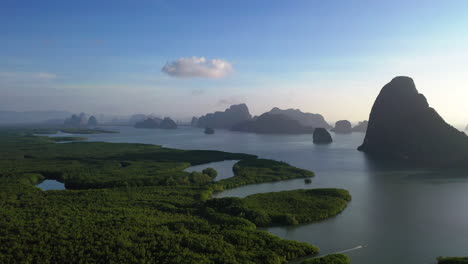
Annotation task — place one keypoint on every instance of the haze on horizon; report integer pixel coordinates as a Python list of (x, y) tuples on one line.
[(187, 58)]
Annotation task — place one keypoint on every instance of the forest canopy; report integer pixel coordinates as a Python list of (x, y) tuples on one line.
[(129, 203)]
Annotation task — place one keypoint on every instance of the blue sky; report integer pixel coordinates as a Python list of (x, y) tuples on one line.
[(328, 57)]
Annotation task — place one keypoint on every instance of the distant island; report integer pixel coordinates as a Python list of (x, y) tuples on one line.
[(80, 121), (305, 119), (227, 119), (361, 126), (149, 122), (168, 123), (276, 121), (272, 124), (322, 136), (342, 126), (403, 126), (154, 122)]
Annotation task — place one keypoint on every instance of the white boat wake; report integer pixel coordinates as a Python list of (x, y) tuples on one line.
[(350, 249)]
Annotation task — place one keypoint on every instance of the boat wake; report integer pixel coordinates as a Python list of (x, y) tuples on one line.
[(351, 249)]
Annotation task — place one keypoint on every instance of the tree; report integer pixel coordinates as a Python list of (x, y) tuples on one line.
[(210, 172)]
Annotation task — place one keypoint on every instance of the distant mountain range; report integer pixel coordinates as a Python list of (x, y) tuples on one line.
[(305, 119), (276, 121), (269, 123)]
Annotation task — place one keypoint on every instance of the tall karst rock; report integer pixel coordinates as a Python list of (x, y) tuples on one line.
[(403, 126), (227, 119)]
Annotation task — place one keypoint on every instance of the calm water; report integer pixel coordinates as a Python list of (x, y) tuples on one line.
[(47, 185), (400, 214)]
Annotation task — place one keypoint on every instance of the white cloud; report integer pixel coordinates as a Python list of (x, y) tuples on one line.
[(198, 67), (29, 76), (45, 75)]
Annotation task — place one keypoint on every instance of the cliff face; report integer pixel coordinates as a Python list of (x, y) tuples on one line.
[(403, 126), (168, 123), (272, 124), (305, 119), (321, 136), (226, 119)]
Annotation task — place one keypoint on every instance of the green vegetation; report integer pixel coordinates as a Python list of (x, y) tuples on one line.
[(86, 131), (250, 171), (452, 260), (308, 181), (210, 172), (86, 165), (55, 129), (129, 203), (65, 139), (329, 259), (130, 225), (285, 208)]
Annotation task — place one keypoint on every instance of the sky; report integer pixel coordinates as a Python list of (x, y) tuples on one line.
[(186, 58)]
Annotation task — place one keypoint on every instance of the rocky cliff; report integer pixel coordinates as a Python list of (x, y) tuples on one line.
[(322, 136), (403, 126), (305, 119), (231, 116), (168, 123), (272, 124)]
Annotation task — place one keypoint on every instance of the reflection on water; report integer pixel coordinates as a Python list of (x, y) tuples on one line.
[(223, 168), (402, 213), (47, 185)]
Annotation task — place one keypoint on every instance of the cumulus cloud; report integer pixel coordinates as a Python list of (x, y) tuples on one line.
[(198, 67)]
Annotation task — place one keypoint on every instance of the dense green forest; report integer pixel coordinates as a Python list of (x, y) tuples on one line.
[(285, 208), (452, 260), (133, 203), (47, 129), (64, 139), (249, 171), (329, 259)]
